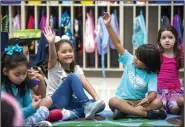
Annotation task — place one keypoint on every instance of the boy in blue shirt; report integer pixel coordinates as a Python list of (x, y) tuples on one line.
[(139, 78)]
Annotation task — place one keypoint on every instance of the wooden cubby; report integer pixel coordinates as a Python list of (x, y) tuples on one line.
[(125, 13)]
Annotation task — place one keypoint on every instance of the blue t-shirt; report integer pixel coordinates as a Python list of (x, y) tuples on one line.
[(135, 82)]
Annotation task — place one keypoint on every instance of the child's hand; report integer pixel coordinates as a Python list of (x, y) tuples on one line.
[(49, 34), (34, 75), (97, 98), (106, 18), (143, 102), (36, 101)]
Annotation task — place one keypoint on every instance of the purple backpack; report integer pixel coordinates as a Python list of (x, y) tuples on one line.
[(43, 21), (178, 26)]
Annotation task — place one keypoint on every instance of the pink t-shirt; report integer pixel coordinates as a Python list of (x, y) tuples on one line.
[(168, 77)]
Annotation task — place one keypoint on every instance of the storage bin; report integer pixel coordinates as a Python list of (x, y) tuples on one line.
[(34, 2), (86, 2), (10, 1)]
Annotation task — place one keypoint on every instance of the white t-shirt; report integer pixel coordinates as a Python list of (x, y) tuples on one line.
[(56, 76)]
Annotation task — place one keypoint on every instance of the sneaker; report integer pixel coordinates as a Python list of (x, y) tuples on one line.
[(157, 114), (43, 124), (68, 115), (101, 108), (90, 109), (117, 115)]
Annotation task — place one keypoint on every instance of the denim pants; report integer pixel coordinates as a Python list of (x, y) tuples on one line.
[(63, 97)]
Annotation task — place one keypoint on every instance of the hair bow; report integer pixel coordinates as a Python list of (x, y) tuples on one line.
[(13, 48)]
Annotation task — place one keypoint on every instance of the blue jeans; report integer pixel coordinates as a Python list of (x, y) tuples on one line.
[(77, 108), (62, 97)]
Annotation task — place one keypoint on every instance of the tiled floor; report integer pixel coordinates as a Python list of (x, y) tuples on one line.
[(104, 87)]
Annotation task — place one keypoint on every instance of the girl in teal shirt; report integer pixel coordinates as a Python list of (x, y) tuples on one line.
[(14, 79)]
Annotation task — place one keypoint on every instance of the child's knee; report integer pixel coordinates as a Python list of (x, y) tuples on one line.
[(174, 110), (157, 102), (73, 76), (47, 102), (112, 102), (180, 101)]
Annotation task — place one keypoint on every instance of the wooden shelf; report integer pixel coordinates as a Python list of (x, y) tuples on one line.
[(126, 15)]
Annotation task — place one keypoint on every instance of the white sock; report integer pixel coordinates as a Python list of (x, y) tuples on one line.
[(66, 114)]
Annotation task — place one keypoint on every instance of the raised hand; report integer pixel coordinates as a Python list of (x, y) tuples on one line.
[(49, 34), (106, 18)]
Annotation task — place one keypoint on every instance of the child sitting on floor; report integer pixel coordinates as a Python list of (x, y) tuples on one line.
[(139, 78)]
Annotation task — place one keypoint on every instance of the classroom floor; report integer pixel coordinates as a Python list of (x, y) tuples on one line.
[(106, 89)]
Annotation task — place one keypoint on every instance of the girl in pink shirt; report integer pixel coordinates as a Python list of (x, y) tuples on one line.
[(169, 86)]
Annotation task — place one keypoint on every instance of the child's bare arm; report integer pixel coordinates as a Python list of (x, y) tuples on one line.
[(113, 36), (88, 87), (40, 88), (148, 99), (50, 36)]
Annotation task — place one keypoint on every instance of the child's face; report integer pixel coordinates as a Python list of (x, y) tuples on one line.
[(16, 75), (138, 63), (167, 40), (65, 54), (26, 52)]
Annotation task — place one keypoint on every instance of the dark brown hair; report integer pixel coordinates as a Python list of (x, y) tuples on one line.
[(59, 44), (150, 56), (11, 62), (175, 47)]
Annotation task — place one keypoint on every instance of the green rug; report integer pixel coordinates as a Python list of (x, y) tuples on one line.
[(105, 119)]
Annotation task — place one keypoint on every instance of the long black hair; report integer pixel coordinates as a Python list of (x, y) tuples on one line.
[(58, 44), (10, 62), (150, 56), (19, 41)]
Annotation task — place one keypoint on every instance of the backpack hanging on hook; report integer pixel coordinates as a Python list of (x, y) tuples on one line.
[(43, 20), (178, 26), (115, 26), (102, 37), (139, 37), (90, 43)]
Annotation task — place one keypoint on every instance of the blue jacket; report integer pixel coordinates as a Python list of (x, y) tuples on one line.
[(24, 101)]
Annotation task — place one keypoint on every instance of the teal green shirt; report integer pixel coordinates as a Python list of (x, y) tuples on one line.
[(24, 101), (135, 82)]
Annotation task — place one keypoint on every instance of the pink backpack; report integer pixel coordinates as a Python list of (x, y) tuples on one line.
[(90, 42), (17, 22)]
